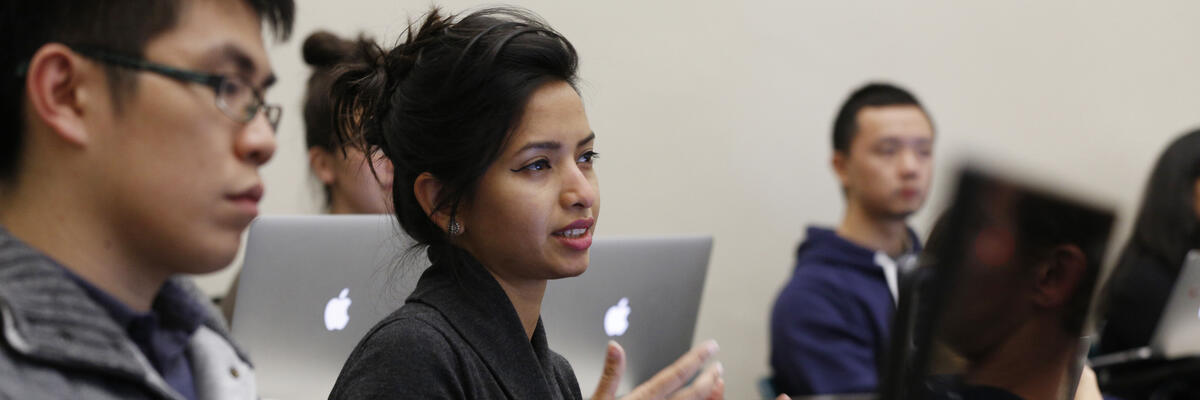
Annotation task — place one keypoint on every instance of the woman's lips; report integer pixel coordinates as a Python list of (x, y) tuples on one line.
[(577, 235)]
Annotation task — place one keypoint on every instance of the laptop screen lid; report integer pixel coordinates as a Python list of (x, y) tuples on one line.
[(642, 292), (298, 328), (310, 288), (1179, 326)]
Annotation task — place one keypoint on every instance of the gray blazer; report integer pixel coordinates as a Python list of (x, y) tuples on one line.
[(57, 343), (456, 337)]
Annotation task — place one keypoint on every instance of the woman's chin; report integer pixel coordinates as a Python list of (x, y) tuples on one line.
[(571, 271)]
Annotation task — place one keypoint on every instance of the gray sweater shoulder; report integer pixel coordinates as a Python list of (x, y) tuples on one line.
[(410, 354)]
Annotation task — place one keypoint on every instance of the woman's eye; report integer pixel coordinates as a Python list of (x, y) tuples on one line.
[(588, 157), (535, 166)]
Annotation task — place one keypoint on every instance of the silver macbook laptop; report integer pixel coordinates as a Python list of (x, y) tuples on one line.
[(312, 286), (1178, 332), (642, 292)]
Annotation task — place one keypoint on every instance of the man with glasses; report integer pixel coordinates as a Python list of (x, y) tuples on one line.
[(135, 129)]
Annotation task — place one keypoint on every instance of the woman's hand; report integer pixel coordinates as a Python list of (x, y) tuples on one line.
[(666, 384)]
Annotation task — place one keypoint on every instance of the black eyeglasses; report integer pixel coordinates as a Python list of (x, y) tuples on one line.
[(235, 97)]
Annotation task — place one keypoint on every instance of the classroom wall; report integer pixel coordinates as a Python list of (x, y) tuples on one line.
[(715, 117)]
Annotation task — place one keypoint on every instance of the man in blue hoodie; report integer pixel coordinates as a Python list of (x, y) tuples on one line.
[(830, 324)]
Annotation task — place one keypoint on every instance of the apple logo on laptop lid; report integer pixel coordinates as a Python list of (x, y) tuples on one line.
[(337, 311), (616, 319)]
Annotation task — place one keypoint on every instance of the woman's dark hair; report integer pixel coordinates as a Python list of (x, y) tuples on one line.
[(325, 52), (445, 100), (1167, 227)]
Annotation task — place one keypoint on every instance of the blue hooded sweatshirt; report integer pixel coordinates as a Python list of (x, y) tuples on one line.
[(830, 324)]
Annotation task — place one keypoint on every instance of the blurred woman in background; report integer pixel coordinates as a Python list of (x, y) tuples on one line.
[(1167, 228), (346, 177), (344, 172)]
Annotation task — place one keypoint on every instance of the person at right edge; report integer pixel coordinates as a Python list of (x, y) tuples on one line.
[(1013, 322), (830, 324), (1166, 229)]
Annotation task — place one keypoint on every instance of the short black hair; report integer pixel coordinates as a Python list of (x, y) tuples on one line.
[(445, 100), (845, 125), (1040, 223), (123, 26), (1044, 222)]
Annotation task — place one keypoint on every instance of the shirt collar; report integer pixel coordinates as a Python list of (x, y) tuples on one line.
[(173, 305)]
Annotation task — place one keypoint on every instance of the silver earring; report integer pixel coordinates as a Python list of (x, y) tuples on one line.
[(454, 228)]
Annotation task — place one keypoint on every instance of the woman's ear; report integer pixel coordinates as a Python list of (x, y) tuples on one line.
[(321, 163), (427, 188)]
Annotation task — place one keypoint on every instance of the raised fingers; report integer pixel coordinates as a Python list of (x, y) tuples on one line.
[(674, 376), (710, 385), (614, 367)]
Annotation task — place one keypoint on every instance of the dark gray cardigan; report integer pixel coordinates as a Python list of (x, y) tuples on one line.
[(456, 337)]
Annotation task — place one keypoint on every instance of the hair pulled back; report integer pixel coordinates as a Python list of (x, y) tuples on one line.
[(325, 52), (445, 100)]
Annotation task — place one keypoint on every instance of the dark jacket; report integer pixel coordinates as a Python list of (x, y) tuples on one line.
[(830, 324), (456, 337), (1137, 295), (56, 342)]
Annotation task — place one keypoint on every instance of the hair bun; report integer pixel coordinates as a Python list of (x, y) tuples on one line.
[(324, 49)]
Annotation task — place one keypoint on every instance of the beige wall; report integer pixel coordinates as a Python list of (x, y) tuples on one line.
[(714, 117)]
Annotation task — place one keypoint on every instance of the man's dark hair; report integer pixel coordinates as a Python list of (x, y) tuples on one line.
[(1045, 222), (845, 126), (122, 26), (1040, 223)]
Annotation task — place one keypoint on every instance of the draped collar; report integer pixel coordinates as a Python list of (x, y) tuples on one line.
[(472, 301)]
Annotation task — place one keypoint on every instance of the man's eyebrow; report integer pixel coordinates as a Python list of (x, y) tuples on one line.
[(245, 65)]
